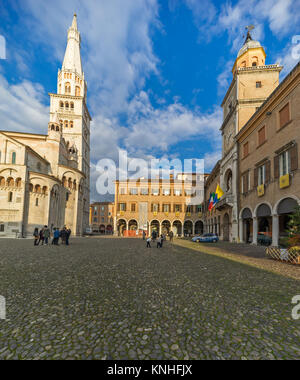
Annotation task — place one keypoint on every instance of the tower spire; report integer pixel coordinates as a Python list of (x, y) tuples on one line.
[(72, 59)]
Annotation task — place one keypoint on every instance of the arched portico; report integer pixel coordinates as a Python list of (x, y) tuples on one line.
[(177, 228), (199, 227), (188, 228), (121, 226)]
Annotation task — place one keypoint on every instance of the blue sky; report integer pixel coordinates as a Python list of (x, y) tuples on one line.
[(157, 70)]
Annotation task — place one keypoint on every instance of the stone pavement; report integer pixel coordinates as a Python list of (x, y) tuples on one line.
[(114, 299)]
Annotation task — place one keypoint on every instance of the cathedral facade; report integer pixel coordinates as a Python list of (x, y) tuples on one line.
[(45, 179)]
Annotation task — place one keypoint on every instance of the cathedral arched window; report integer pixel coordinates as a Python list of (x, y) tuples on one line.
[(77, 91), (68, 88), (254, 61), (59, 89), (72, 106), (70, 183), (2, 181), (61, 104), (13, 158), (10, 182), (67, 106), (71, 124), (18, 182), (66, 124), (38, 189), (45, 190), (74, 185), (61, 123)]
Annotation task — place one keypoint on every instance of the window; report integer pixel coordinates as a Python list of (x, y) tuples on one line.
[(68, 88), (245, 149), (95, 220), (71, 124), (67, 197), (177, 208), (13, 158), (77, 91), (199, 208), (37, 202), (189, 209), (155, 207), (284, 163), (133, 191), (258, 85), (284, 116), (166, 208), (2, 227), (122, 207), (10, 197), (261, 136), (155, 192), (144, 191), (122, 190), (246, 182), (166, 192), (262, 175), (177, 192), (133, 207)]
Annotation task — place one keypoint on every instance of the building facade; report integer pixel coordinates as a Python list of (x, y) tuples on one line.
[(159, 204), (44, 179), (102, 217), (253, 82), (269, 164)]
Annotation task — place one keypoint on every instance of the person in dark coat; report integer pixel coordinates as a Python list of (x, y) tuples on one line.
[(68, 234), (36, 236)]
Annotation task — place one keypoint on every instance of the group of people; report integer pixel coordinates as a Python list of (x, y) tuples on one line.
[(43, 236), (159, 239)]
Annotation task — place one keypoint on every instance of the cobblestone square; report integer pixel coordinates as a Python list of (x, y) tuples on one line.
[(112, 298)]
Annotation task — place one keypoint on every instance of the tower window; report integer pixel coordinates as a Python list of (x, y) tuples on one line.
[(68, 88), (254, 64), (77, 91), (13, 158), (66, 124)]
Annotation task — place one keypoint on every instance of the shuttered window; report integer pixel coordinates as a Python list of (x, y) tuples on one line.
[(261, 136), (284, 116), (294, 157), (246, 149)]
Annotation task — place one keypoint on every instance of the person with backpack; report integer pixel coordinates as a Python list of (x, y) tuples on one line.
[(46, 235), (36, 236), (149, 242)]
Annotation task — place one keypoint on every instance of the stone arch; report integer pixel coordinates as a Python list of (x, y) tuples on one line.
[(245, 212), (165, 227), (290, 196), (121, 226), (177, 227), (188, 227), (154, 225), (133, 225), (199, 227), (259, 206)]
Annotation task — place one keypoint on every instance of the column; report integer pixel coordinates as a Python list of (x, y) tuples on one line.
[(275, 230), (241, 230), (255, 231)]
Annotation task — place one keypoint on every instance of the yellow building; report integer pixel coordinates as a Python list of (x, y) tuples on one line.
[(160, 204), (44, 179)]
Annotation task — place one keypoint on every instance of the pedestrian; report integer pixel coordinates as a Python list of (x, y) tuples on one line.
[(63, 235), (144, 235), (162, 238), (56, 235), (68, 234), (154, 235), (36, 236), (41, 239), (159, 242), (149, 242), (171, 234), (46, 235)]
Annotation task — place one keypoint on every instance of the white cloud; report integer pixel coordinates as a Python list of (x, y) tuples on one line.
[(21, 107)]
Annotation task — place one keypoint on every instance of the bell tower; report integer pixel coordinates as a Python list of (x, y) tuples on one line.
[(70, 105)]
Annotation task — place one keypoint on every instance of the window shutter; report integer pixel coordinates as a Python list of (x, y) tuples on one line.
[(284, 115), (255, 177), (276, 167), (268, 171), (294, 157), (246, 183), (118, 206)]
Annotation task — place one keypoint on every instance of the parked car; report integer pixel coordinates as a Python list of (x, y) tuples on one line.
[(206, 238), (263, 239), (89, 231)]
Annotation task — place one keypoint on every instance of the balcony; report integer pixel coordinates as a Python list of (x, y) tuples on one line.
[(226, 201)]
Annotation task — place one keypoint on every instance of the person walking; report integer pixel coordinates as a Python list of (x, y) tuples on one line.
[(56, 235), (159, 242), (162, 238), (41, 239), (63, 235), (149, 242), (46, 235), (36, 236), (68, 234), (171, 234)]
